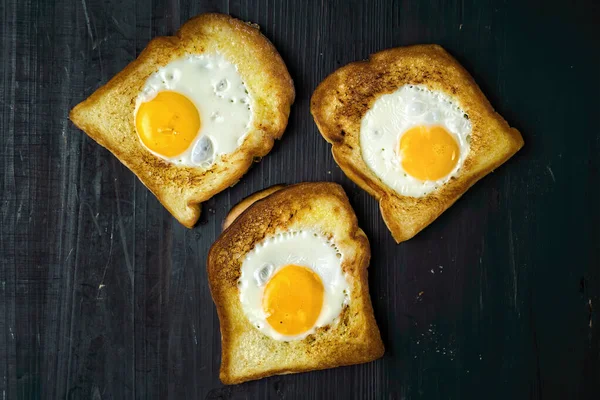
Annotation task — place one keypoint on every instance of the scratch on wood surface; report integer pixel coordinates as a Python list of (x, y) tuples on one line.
[(194, 332), (109, 258), (122, 231), (94, 217), (69, 255), (551, 173), (19, 212), (513, 266), (87, 22), (95, 43), (114, 20), (118, 28), (591, 308)]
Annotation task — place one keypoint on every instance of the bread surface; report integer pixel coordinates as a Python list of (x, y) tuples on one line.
[(107, 116), (247, 202), (342, 99), (352, 338)]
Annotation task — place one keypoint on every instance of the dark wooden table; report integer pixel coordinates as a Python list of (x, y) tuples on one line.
[(103, 295)]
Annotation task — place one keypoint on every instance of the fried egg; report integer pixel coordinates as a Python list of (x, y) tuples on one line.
[(415, 139), (194, 110), (292, 283)]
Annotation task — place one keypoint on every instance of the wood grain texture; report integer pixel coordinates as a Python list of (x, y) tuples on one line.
[(104, 296)]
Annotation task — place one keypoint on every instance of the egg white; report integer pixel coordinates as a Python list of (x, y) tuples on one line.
[(215, 87), (391, 116), (304, 248)]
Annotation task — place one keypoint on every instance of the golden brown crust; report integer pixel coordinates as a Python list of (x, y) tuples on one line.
[(341, 100), (107, 115), (247, 202), (354, 338)]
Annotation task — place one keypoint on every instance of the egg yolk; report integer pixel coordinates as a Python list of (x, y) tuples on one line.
[(292, 299), (428, 153), (168, 123)]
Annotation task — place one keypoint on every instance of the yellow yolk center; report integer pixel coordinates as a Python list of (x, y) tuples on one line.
[(168, 123), (292, 299), (428, 153)]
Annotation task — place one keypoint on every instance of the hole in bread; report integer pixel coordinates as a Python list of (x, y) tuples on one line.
[(345, 319)]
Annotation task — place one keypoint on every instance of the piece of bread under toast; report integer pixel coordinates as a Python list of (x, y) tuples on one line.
[(342, 99), (247, 202), (107, 116), (352, 338)]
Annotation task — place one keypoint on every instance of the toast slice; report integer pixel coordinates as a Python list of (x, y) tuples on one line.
[(107, 116), (353, 337), (343, 98)]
